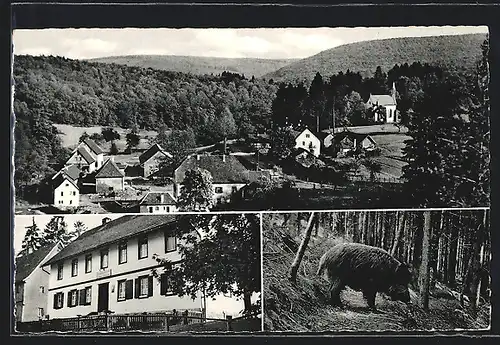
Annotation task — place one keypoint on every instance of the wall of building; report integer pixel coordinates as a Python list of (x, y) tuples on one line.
[(132, 269), (67, 198), (36, 294), (226, 190), (157, 209), (19, 301), (103, 185), (78, 160), (303, 142), (152, 165)]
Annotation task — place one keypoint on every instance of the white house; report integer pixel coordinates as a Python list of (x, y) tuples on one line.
[(157, 202), (109, 268), (150, 160), (229, 175), (308, 141), (387, 102), (32, 283), (88, 156), (65, 191)]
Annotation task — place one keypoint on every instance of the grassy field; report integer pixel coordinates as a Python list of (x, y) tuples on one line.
[(304, 307), (71, 134)]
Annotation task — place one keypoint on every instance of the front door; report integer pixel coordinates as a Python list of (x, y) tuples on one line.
[(103, 297)]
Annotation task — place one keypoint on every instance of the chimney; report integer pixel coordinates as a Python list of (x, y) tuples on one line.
[(162, 198), (224, 158), (105, 220)]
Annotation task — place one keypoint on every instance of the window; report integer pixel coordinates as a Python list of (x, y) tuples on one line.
[(88, 263), (72, 298), (58, 300), (218, 190), (143, 286), (74, 267), (104, 258), (88, 295), (122, 253), (70, 202), (170, 242), (125, 289), (303, 143), (143, 247), (67, 184), (308, 135), (60, 271), (165, 289), (234, 189), (150, 209), (74, 193), (60, 201), (121, 290), (41, 313), (62, 193), (42, 289), (84, 296)]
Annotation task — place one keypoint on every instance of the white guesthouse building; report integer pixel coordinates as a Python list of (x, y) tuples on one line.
[(308, 141), (109, 268)]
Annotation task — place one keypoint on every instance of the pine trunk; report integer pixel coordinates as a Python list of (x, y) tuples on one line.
[(400, 230), (424, 276), (476, 267), (452, 255), (302, 248)]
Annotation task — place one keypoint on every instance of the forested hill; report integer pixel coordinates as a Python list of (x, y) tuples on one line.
[(199, 65), (455, 53), (82, 93)]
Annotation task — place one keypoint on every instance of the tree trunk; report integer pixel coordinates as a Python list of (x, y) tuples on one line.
[(400, 229), (302, 248), (452, 255), (225, 145), (425, 267), (316, 225), (476, 267), (247, 300), (418, 238), (434, 246)]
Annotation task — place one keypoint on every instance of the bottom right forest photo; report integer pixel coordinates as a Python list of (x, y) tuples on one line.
[(370, 271)]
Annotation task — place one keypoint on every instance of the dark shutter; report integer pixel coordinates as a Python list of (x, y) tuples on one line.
[(129, 287), (150, 286), (163, 284), (55, 301), (137, 288), (69, 299), (82, 296), (62, 300)]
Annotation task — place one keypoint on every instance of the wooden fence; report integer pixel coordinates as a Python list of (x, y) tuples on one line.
[(167, 322)]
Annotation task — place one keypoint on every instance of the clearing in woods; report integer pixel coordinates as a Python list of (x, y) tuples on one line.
[(302, 307)]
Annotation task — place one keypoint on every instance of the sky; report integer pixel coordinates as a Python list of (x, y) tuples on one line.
[(269, 43), (21, 222)]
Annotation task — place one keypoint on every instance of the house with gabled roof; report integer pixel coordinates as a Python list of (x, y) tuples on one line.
[(109, 178), (32, 283), (229, 175), (157, 202), (387, 103), (88, 156), (65, 191), (346, 142), (150, 160), (109, 268), (308, 141)]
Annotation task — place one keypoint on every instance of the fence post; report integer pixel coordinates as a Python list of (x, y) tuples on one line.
[(167, 324), (108, 324), (229, 320)]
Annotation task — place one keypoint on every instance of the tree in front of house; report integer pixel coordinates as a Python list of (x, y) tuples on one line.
[(220, 255), (113, 149), (32, 238), (196, 191), (282, 142), (133, 139), (178, 143), (56, 230)]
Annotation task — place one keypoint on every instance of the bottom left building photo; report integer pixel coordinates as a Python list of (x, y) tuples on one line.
[(120, 273)]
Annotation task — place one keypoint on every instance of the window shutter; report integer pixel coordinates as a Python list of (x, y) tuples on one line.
[(137, 288), (69, 299), (150, 286), (62, 300), (129, 289), (163, 284), (82, 296), (55, 301)]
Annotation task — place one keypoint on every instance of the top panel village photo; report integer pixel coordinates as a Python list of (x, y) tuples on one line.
[(168, 120)]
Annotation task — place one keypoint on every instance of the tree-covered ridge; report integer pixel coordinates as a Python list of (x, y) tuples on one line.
[(82, 93), (456, 53), (200, 65)]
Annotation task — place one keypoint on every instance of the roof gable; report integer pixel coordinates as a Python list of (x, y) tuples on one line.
[(109, 169), (383, 100), (149, 153), (82, 151), (229, 171), (71, 171), (96, 149), (110, 232), (27, 263), (305, 130), (59, 180), (154, 198)]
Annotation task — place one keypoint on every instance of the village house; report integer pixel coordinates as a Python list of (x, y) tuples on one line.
[(150, 160), (306, 140), (229, 175), (347, 142), (32, 283), (387, 102), (109, 178), (65, 191), (157, 202), (88, 156), (109, 268)]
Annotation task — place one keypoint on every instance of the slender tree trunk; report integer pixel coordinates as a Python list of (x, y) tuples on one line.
[(452, 255), (417, 253), (400, 230), (225, 145), (247, 300), (302, 248), (476, 266), (425, 267)]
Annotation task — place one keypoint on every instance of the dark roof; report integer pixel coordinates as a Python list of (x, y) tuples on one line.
[(72, 171), (154, 198), (230, 171), (109, 169), (86, 155), (61, 178), (151, 152), (110, 232), (93, 146), (323, 135), (27, 263), (382, 100), (351, 135)]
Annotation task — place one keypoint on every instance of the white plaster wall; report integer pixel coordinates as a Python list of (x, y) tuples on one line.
[(68, 199)]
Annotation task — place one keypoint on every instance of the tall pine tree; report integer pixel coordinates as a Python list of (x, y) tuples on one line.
[(32, 239)]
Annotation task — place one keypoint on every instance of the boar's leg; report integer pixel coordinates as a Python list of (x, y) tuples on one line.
[(369, 295), (335, 290)]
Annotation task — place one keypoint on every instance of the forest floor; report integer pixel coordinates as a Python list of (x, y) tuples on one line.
[(303, 306)]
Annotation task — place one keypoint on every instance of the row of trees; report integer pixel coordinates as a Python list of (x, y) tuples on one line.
[(452, 247)]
